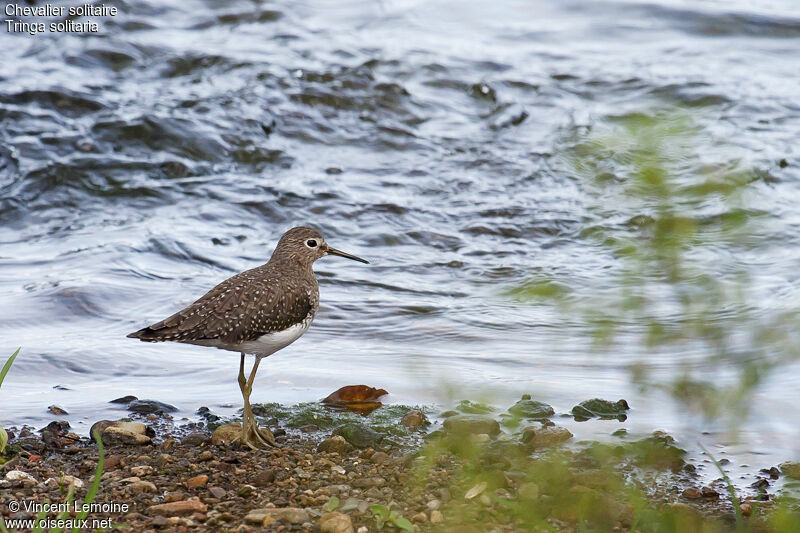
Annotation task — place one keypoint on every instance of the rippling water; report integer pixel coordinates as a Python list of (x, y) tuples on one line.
[(142, 165)]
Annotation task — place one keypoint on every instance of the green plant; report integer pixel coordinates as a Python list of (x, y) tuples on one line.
[(389, 515), (3, 372)]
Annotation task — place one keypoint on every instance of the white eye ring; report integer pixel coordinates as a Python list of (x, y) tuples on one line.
[(311, 243)]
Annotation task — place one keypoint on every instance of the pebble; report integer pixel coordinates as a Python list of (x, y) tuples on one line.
[(334, 444), (746, 508), (692, 493), (264, 478), (436, 517), (414, 419), (16, 475), (265, 517), (545, 436), (185, 507), (141, 471), (174, 496), (139, 487), (56, 410), (218, 492), (129, 433), (63, 481), (434, 505), (419, 518), (335, 523), (196, 439), (475, 490), (196, 481), (379, 458)]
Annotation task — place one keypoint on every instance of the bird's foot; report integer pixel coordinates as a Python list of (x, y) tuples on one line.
[(255, 437)]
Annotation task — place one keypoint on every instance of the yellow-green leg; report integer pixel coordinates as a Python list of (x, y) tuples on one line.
[(251, 436)]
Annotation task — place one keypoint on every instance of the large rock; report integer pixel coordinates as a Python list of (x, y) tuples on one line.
[(146, 407), (335, 523), (472, 425), (528, 408), (359, 435), (603, 409)]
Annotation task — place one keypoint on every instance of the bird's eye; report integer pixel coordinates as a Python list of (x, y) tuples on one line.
[(311, 243)]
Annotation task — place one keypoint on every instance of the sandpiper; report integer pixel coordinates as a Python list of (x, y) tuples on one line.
[(256, 312)]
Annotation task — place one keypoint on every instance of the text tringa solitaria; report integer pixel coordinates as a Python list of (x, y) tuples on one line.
[(256, 312)]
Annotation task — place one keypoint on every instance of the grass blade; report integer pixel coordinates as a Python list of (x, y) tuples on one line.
[(7, 366)]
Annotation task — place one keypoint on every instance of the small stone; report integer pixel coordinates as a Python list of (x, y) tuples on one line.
[(379, 458), (475, 490), (196, 481), (56, 410), (129, 433), (362, 529), (434, 504), (63, 481), (139, 487), (159, 521), (218, 492), (538, 437), (124, 399), (293, 515), (245, 491), (226, 434), (142, 471), (181, 508), (746, 508), (708, 492), (692, 493), (366, 482), (335, 523), (196, 438), (472, 424), (334, 444), (414, 419), (264, 478), (175, 496), (437, 517), (419, 518), (17, 475)]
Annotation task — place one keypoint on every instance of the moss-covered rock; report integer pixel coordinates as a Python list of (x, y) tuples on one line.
[(603, 409)]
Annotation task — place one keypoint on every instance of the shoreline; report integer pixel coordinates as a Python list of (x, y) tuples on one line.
[(339, 471)]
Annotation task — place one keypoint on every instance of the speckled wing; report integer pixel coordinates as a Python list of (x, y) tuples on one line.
[(239, 309)]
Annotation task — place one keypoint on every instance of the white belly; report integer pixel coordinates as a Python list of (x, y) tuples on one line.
[(264, 345)]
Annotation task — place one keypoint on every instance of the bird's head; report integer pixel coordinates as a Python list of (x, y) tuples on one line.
[(306, 245)]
